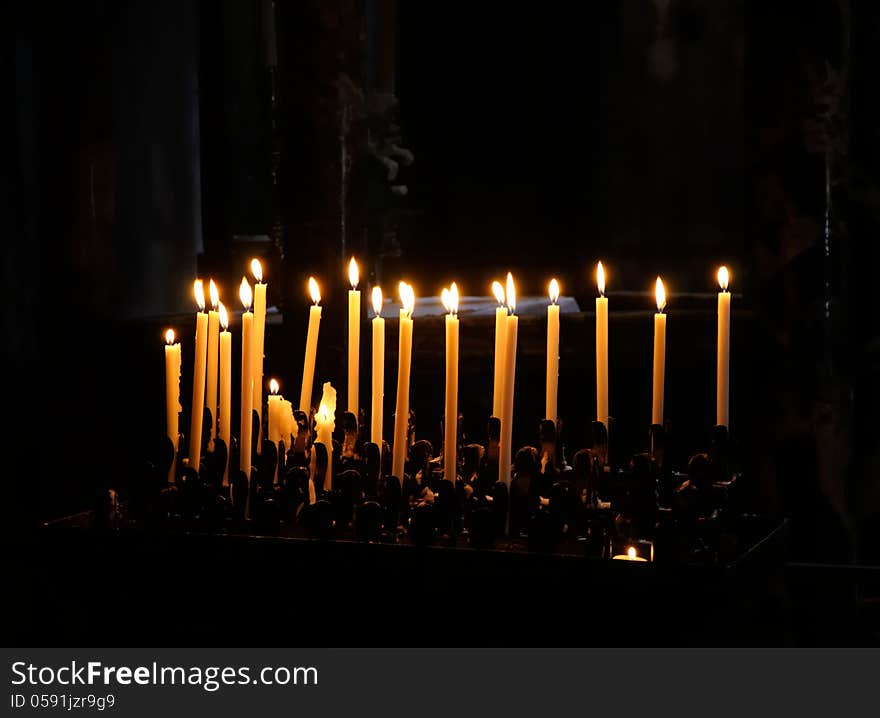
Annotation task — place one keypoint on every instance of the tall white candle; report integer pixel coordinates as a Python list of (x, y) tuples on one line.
[(450, 441), (552, 394), (500, 326), (225, 418), (213, 356), (722, 400), (325, 424), (172, 396), (602, 413), (305, 399), (274, 419), (247, 378), (378, 398), (659, 354), (510, 332), (199, 368), (354, 337), (259, 345), (404, 364)]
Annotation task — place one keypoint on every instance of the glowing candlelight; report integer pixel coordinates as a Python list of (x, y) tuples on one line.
[(259, 341), (199, 371), (404, 366), (450, 443), (305, 399), (172, 396), (722, 399), (552, 393), (378, 397), (510, 336), (247, 377), (500, 326), (659, 354), (601, 348), (225, 417), (213, 339)]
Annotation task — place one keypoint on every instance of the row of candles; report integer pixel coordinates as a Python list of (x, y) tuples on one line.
[(213, 357)]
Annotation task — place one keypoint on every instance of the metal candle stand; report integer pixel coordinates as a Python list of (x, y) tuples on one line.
[(587, 506)]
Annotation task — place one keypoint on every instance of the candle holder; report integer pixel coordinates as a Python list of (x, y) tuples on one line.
[(551, 459), (351, 440), (525, 489)]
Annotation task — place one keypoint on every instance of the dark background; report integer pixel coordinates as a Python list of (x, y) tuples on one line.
[(661, 137)]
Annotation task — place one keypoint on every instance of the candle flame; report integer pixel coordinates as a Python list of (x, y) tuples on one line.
[(257, 270), (244, 291), (324, 414), (660, 292), (274, 386), (600, 278), (498, 291), (214, 294), (449, 297), (199, 291), (314, 291), (407, 298), (354, 274), (169, 336), (723, 278), (554, 290), (377, 301), (631, 552), (224, 316), (511, 293)]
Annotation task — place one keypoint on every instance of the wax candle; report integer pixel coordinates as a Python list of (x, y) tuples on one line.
[(172, 396), (722, 402), (225, 418), (450, 441), (404, 354), (510, 332), (274, 419), (378, 398), (305, 399), (199, 369), (630, 555), (325, 423), (247, 377), (601, 348), (551, 410), (213, 356), (500, 326), (659, 354), (259, 346), (354, 337)]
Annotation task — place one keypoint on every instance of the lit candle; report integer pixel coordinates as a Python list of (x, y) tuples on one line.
[(659, 354), (247, 377), (601, 348), (172, 395), (510, 332), (722, 404), (450, 442), (274, 419), (213, 339), (259, 345), (325, 423), (552, 352), (354, 337), (378, 369), (404, 364), (305, 398), (225, 418), (500, 326), (198, 393), (630, 555)]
